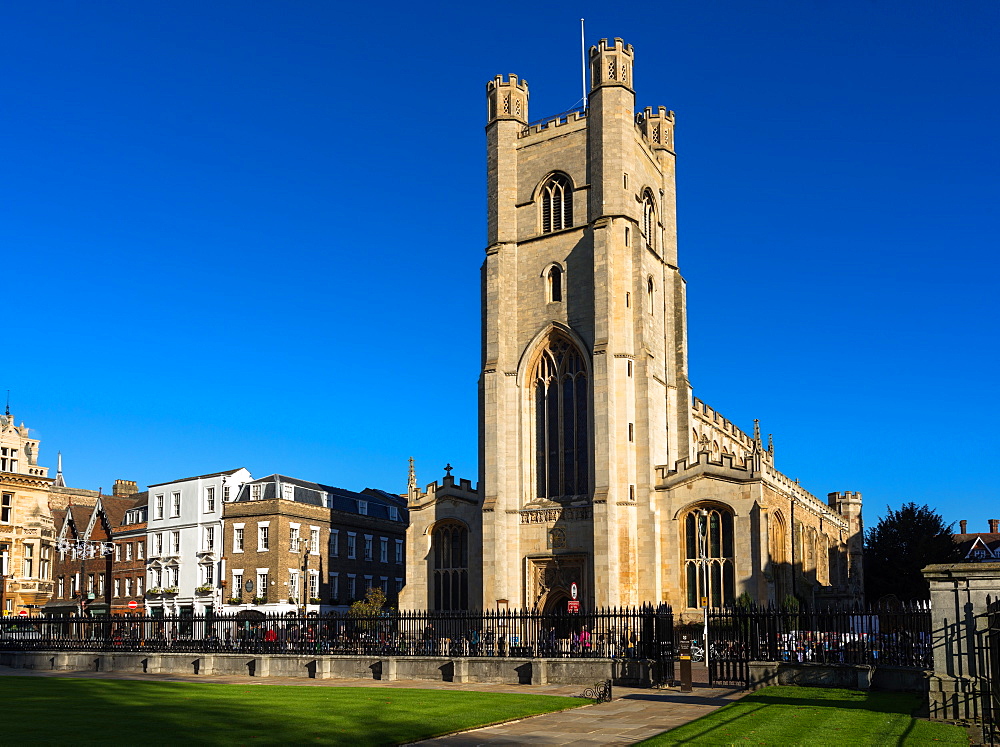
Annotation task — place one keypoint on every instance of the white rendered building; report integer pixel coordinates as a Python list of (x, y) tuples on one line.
[(184, 543)]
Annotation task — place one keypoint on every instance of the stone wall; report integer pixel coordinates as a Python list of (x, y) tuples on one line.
[(584, 672)]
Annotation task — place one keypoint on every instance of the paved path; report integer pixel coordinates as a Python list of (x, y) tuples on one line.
[(634, 714)]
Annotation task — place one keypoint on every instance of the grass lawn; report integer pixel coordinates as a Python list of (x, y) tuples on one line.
[(65, 711), (815, 716)]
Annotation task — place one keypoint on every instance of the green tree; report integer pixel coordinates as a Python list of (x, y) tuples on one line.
[(371, 605), (900, 545)]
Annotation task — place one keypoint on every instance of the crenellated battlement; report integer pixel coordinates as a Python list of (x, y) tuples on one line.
[(507, 99), (512, 80), (705, 413), (448, 486), (611, 64), (656, 127), (550, 123)]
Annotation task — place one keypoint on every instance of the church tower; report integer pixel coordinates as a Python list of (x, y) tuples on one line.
[(584, 389)]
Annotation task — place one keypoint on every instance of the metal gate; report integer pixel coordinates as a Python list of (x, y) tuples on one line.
[(991, 681), (727, 651)]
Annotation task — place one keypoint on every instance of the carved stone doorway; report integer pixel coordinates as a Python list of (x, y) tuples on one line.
[(550, 578)]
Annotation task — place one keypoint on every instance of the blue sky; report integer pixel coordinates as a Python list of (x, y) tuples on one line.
[(249, 234)]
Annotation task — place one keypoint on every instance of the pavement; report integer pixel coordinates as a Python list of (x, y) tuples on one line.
[(634, 714)]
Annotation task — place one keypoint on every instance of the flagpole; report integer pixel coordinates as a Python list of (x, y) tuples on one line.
[(583, 64)]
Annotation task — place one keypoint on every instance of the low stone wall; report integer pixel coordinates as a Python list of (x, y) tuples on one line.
[(848, 676), (510, 670)]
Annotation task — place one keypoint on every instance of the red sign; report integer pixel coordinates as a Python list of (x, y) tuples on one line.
[(573, 605), (23, 613), (132, 605)]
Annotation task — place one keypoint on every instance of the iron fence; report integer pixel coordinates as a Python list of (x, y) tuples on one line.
[(889, 636), (622, 633), (990, 695)]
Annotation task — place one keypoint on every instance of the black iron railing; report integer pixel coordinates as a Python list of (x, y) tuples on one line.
[(621, 633), (890, 636)]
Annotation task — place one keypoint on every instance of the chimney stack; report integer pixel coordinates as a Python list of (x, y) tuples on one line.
[(962, 526), (995, 526), (124, 488)]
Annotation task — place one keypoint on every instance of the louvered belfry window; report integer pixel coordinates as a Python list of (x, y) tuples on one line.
[(562, 422), (557, 203), (649, 218)]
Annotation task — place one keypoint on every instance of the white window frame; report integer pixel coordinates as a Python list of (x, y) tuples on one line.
[(210, 499), (175, 505), (352, 545), (313, 540), (399, 551), (239, 537), (263, 537)]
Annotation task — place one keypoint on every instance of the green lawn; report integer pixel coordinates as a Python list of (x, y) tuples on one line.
[(65, 711), (815, 716)]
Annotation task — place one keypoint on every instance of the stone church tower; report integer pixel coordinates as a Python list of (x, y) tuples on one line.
[(598, 469), (584, 383)]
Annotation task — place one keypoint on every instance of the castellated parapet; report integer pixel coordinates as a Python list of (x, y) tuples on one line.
[(507, 99), (657, 127), (611, 64)]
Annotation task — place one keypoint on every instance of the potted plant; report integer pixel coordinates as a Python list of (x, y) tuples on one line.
[(170, 590), (260, 600), (235, 600), (315, 600), (291, 600), (205, 589), (154, 591)]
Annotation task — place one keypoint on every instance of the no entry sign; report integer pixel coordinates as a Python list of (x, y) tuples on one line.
[(23, 613), (133, 604)]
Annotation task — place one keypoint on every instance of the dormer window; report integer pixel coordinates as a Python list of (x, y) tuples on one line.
[(557, 203), (555, 284), (363, 508)]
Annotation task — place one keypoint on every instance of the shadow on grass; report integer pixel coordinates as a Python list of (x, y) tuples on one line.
[(902, 704), (55, 710)]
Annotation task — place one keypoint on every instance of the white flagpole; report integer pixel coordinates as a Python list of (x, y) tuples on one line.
[(583, 64)]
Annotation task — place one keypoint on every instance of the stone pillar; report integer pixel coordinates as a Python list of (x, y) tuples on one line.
[(959, 593)]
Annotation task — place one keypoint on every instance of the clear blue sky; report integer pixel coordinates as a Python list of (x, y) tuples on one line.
[(249, 233)]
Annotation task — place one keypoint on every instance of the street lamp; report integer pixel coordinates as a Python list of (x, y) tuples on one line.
[(84, 550), (703, 561)]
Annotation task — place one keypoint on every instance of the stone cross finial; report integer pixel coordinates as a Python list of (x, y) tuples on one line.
[(447, 469)]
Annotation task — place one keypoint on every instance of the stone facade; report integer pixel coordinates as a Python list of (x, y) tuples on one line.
[(28, 497), (598, 467)]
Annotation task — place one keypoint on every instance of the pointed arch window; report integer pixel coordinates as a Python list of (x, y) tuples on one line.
[(562, 421), (557, 203), (649, 218), (708, 556), (450, 552), (555, 284)]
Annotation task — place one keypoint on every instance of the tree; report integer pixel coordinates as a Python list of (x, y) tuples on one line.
[(900, 545), (371, 605)]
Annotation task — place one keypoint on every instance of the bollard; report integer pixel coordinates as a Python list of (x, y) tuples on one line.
[(685, 658)]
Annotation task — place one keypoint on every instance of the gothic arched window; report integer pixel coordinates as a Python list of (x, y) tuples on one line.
[(557, 203), (450, 553), (562, 420), (708, 556), (778, 548), (555, 284), (648, 217)]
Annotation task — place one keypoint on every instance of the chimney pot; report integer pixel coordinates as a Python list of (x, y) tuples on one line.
[(962, 526), (995, 525)]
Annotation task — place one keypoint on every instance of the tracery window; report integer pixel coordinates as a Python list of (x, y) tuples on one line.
[(557, 203), (648, 218), (708, 556), (778, 547), (562, 421), (450, 551)]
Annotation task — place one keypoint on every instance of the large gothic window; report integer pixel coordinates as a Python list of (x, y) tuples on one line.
[(708, 556), (450, 552), (778, 547), (557, 203), (561, 421)]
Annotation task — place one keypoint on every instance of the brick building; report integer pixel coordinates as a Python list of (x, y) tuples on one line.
[(291, 543), (129, 568)]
